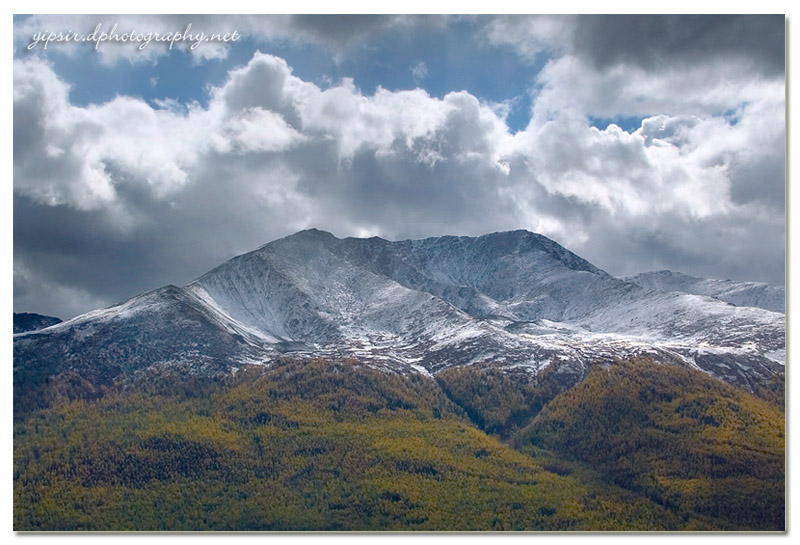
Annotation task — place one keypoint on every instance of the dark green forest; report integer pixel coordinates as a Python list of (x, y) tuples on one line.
[(334, 445)]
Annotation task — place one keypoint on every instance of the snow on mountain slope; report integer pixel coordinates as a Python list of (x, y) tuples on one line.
[(741, 294), (167, 325), (305, 292), (515, 299), (519, 275)]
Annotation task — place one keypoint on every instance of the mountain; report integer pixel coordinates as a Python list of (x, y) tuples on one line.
[(27, 321), (451, 384), (515, 300), (741, 294)]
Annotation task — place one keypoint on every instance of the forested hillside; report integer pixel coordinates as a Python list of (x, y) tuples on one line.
[(689, 442), (327, 445)]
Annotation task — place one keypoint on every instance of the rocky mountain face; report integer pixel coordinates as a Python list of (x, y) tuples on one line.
[(515, 300)]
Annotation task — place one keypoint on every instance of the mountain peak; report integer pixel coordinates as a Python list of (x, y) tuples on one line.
[(310, 234), (313, 231)]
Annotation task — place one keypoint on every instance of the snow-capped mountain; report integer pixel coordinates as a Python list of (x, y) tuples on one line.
[(515, 299), (741, 294)]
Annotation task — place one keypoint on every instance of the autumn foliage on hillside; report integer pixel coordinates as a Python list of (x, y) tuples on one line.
[(687, 441), (335, 445)]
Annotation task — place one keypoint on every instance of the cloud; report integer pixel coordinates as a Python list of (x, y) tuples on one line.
[(52, 157), (82, 156), (572, 83), (531, 37), (61, 298), (756, 43), (339, 32), (419, 71), (116, 198)]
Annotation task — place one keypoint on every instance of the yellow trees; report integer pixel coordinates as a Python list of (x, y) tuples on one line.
[(688, 441)]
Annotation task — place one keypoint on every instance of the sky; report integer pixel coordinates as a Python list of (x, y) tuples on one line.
[(638, 142)]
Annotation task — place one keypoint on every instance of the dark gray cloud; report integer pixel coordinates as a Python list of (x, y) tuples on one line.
[(739, 248), (655, 41), (339, 31)]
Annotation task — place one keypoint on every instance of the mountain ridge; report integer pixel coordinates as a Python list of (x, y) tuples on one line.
[(754, 294), (515, 299)]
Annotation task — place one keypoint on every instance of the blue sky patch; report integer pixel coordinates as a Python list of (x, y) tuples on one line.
[(627, 124)]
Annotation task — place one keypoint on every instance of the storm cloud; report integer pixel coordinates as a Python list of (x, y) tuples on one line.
[(758, 41)]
